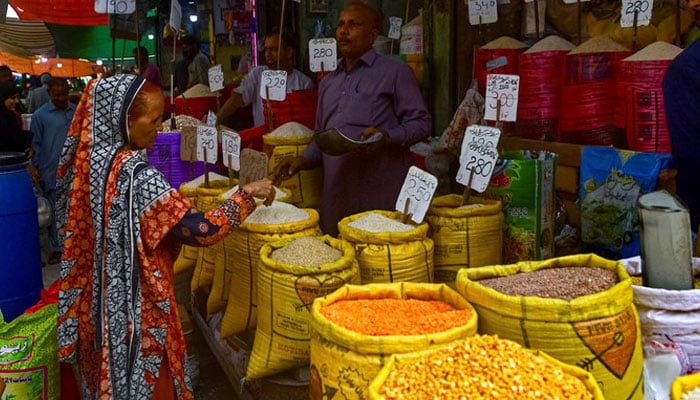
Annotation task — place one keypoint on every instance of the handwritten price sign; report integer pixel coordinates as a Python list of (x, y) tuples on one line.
[(253, 166), (482, 12), (211, 118), (206, 139), (274, 82), (418, 188), (188, 143), (216, 78), (394, 28), (641, 7), (231, 149), (323, 55), (503, 89), (479, 154), (115, 6)]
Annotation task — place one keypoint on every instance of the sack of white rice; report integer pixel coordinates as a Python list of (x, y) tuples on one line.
[(241, 256), (292, 273), (389, 250)]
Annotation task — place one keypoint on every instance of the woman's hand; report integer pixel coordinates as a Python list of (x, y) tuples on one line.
[(261, 189)]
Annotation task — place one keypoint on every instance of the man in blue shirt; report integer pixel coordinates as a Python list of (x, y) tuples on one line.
[(50, 125)]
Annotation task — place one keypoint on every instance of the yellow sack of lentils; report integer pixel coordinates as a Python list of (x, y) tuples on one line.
[(344, 362), (242, 255), (465, 236), (208, 199), (286, 292), (598, 330), (387, 249), (481, 366), (307, 185), (683, 385)]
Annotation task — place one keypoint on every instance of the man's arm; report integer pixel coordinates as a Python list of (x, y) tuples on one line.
[(415, 122), (230, 106)]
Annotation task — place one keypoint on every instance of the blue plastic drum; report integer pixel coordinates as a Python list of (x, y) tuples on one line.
[(20, 250)]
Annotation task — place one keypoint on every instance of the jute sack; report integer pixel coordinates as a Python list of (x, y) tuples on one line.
[(598, 332), (307, 185), (390, 256), (344, 362), (217, 259), (465, 237), (207, 199), (285, 295), (241, 250), (187, 257), (684, 384)]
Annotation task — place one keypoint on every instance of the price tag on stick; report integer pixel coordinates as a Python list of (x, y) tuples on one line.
[(273, 85), (207, 143), (643, 9), (323, 55), (188, 144), (478, 157), (216, 78), (231, 149), (394, 28), (482, 12), (503, 88), (417, 192)]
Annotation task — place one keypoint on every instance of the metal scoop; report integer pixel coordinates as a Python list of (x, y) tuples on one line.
[(332, 142)]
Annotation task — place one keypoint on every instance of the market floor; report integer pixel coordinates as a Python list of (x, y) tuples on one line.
[(211, 384)]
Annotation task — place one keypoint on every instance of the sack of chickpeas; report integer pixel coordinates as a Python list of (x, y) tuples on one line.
[(481, 367), (387, 249), (291, 139), (292, 273), (216, 257), (686, 387), (465, 235), (241, 256), (356, 329), (577, 308)]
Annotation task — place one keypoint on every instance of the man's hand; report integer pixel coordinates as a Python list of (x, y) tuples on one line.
[(374, 146), (262, 189), (288, 167), (34, 174)]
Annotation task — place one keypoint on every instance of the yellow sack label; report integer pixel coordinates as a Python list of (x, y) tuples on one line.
[(285, 295), (343, 362), (599, 333), (307, 185)]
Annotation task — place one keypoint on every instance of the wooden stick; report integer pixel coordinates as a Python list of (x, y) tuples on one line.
[(634, 31), (230, 171), (206, 168), (279, 41), (537, 20), (270, 122), (406, 216), (468, 188)]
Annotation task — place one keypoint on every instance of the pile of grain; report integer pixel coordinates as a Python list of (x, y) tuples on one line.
[(195, 183), (279, 193), (551, 43), (291, 129), (181, 121), (306, 251), (504, 42), (276, 214), (692, 395), (198, 90), (656, 51), (598, 44), (374, 222), (469, 206)]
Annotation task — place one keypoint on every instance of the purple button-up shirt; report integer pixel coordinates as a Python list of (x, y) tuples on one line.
[(378, 91)]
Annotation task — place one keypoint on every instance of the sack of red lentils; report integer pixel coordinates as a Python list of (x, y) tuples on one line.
[(29, 368), (465, 235), (292, 273), (241, 255), (356, 329), (481, 366), (686, 387), (577, 308), (388, 249)]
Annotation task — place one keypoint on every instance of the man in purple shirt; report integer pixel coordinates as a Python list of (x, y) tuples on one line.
[(368, 93), (148, 70)]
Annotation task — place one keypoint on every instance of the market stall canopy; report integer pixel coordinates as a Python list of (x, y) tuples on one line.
[(63, 67), (92, 42), (26, 38), (66, 12)]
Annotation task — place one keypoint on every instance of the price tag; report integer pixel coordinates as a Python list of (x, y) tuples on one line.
[(216, 78), (501, 87), (115, 6), (323, 51), (482, 12), (206, 139), (175, 15), (643, 9), (418, 187), (479, 153), (253, 166), (211, 118), (231, 146), (188, 144), (274, 81), (394, 27)]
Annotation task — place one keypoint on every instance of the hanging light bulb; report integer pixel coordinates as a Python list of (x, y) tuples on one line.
[(193, 18), (150, 36), (59, 65)]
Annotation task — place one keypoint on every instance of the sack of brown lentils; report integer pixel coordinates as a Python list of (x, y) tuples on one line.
[(465, 235), (292, 273), (387, 249), (356, 329), (577, 308), (241, 257), (481, 367)]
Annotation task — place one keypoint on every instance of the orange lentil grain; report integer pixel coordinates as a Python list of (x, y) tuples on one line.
[(387, 317)]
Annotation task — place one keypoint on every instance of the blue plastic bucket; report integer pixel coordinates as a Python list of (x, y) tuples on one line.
[(20, 250)]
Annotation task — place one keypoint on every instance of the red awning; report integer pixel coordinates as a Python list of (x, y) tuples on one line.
[(69, 67), (65, 12)]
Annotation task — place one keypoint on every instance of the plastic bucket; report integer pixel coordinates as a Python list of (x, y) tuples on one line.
[(20, 254)]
